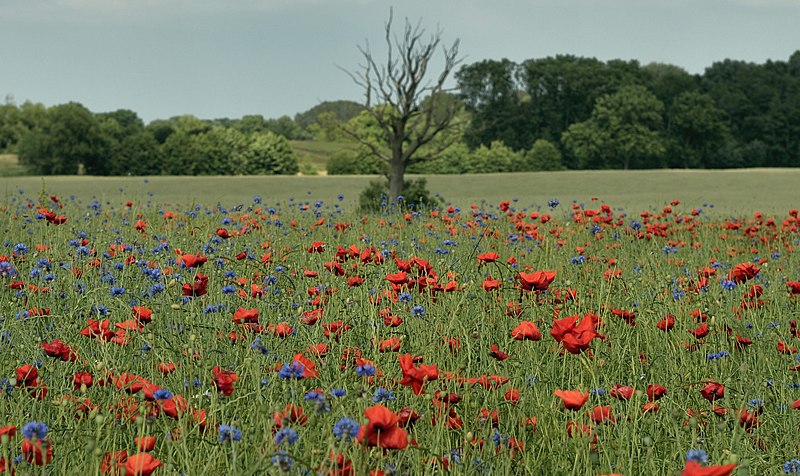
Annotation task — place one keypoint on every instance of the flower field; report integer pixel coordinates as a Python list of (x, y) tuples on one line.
[(299, 337)]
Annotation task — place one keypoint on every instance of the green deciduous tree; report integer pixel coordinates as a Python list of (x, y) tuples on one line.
[(622, 132), (68, 138)]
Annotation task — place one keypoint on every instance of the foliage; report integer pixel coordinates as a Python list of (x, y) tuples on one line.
[(67, 138), (348, 162), (416, 196), (339, 111), (543, 155), (496, 158), (622, 132)]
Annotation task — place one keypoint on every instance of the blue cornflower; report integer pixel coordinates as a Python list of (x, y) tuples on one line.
[(718, 355), (635, 225), (228, 289), (286, 435), (580, 259), (338, 392), (35, 430), (553, 202), (792, 466), (696, 455), (162, 394), (346, 429), (117, 291), (405, 297), (418, 311), (283, 460), (229, 434), (756, 403), (382, 395), (598, 392), (729, 285), (293, 370), (365, 370)]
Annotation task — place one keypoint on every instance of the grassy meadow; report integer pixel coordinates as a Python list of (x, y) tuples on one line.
[(729, 191), (261, 325)]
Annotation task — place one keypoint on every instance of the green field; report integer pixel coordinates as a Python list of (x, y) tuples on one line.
[(767, 190)]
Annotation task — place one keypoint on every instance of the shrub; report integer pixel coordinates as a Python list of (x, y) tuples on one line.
[(543, 155), (354, 163), (415, 196)]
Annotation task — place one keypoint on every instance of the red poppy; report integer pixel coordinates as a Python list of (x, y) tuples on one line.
[(576, 338), (193, 261), (291, 414), (713, 391), (602, 414), (143, 314), (141, 464), (742, 272), (667, 323), (383, 429), (309, 367), (655, 392), (628, 316), (538, 281), (700, 331), (317, 247), (223, 233), (242, 316), (489, 257), (415, 376), (573, 399), (113, 462), (498, 354), (145, 443), (794, 287), (197, 288), (526, 330), (490, 284), (693, 468), (622, 392), (56, 348), (391, 344), (37, 452), (223, 380)]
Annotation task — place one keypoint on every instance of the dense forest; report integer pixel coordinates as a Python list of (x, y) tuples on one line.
[(562, 112)]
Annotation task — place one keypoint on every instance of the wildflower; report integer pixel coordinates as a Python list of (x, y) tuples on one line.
[(282, 460), (35, 430), (792, 466), (286, 435), (346, 429), (382, 429), (698, 456), (417, 311), (572, 399), (141, 464), (382, 394), (415, 376), (229, 434)]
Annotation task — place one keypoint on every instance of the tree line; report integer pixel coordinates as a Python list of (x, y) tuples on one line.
[(619, 114), (562, 112), (70, 139)]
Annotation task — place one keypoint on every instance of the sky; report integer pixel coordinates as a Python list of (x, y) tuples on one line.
[(230, 58)]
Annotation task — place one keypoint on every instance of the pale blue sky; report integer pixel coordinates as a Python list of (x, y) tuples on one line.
[(228, 58)]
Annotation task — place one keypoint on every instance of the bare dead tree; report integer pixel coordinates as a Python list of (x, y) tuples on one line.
[(409, 108)]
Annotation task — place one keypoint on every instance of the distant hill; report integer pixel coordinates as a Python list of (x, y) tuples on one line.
[(343, 111)]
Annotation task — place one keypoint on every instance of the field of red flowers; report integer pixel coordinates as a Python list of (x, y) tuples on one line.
[(302, 338)]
